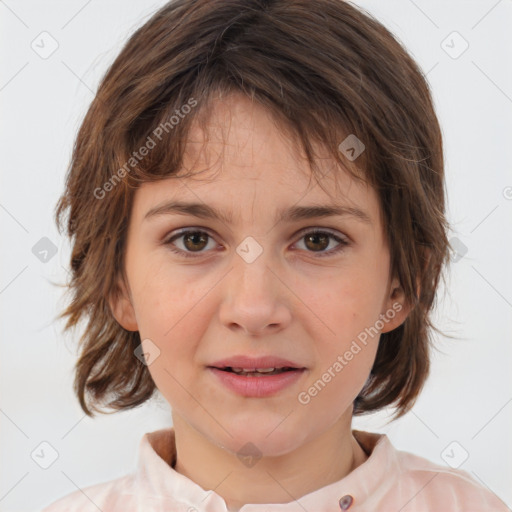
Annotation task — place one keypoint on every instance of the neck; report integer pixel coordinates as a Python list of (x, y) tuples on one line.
[(325, 459)]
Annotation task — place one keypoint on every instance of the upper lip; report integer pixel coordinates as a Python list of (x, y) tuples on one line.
[(252, 363)]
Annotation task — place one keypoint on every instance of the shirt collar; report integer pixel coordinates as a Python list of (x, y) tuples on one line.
[(156, 477)]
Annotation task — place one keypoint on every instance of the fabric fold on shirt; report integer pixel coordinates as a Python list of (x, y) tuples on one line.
[(389, 480)]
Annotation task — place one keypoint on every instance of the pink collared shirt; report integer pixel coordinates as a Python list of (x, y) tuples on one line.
[(388, 481)]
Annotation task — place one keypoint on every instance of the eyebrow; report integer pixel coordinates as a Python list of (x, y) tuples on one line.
[(292, 214)]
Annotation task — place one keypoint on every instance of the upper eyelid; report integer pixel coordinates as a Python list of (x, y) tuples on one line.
[(301, 232), (342, 240)]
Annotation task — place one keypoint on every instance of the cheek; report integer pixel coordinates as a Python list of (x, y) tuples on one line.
[(161, 295), (347, 306), (344, 301), (169, 306)]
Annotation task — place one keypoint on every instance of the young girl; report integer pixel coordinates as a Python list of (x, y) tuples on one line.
[(256, 202)]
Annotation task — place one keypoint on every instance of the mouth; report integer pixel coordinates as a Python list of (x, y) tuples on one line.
[(256, 382), (256, 372)]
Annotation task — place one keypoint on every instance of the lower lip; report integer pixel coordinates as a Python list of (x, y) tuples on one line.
[(257, 386)]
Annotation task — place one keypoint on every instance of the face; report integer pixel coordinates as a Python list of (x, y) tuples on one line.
[(248, 284)]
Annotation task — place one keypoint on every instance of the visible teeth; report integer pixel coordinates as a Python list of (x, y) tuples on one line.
[(256, 372), (248, 370)]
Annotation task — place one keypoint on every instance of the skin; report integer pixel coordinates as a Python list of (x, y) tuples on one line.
[(289, 302)]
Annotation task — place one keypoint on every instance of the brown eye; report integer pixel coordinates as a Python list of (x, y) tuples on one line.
[(317, 241), (195, 240), (192, 241)]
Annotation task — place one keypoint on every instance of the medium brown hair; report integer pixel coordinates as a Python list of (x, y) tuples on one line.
[(325, 69)]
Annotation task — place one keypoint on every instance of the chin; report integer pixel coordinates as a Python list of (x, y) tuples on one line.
[(272, 436)]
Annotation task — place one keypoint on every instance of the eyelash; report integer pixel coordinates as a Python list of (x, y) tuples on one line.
[(342, 242)]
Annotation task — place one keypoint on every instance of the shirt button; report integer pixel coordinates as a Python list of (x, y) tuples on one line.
[(346, 502)]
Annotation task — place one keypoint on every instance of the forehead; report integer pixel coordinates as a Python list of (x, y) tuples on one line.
[(239, 158)]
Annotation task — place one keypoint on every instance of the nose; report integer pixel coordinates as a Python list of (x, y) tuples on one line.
[(256, 300)]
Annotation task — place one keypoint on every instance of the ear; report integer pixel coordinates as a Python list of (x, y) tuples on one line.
[(122, 309), (396, 309)]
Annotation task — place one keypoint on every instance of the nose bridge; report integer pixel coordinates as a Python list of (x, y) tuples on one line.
[(252, 274), (253, 297)]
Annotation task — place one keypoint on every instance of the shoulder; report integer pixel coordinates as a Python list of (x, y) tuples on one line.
[(432, 486), (103, 496)]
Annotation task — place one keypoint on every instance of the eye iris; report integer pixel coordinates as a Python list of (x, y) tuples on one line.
[(196, 235), (315, 236)]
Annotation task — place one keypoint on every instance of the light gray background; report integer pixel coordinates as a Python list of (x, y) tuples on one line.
[(468, 396)]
